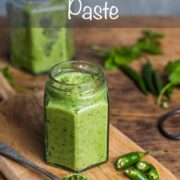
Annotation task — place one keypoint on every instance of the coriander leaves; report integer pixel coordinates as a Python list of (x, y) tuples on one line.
[(7, 74), (117, 56), (149, 43), (172, 66), (113, 58), (149, 80), (172, 69)]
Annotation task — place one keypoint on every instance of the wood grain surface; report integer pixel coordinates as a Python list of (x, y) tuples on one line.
[(26, 137), (133, 113)]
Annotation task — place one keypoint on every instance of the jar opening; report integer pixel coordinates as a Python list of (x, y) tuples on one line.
[(76, 76)]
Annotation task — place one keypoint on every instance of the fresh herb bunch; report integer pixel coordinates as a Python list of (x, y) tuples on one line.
[(149, 80), (113, 58), (149, 43), (172, 70)]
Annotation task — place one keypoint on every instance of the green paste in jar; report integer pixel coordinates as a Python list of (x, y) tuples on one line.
[(76, 123)]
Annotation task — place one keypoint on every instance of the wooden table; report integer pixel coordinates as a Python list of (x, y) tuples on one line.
[(133, 113)]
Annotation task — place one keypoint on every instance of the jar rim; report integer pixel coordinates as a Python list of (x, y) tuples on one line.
[(86, 87), (59, 66)]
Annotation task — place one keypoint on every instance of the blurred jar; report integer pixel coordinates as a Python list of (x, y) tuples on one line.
[(39, 38)]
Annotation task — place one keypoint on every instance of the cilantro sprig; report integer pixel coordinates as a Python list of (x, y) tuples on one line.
[(172, 70), (149, 43)]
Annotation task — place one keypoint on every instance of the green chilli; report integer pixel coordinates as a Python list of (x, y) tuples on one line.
[(148, 78), (157, 82), (128, 160), (138, 80), (153, 173), (135, 174), (143, 166)]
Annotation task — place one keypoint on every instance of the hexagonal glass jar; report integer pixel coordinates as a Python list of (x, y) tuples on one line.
[(76, 116)]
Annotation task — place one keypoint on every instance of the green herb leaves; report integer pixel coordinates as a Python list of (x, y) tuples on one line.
[(172, 66), (124, 55), (6, 73), (117, 56), (149, 43), (174, 78), (172, 70), (149, 80)]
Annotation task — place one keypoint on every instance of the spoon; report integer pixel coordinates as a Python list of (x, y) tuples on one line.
[(9, 152)]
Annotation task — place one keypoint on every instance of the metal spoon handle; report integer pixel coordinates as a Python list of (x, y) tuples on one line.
[(9, 152)]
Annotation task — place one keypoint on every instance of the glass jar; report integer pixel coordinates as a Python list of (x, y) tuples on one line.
[(39, 38), (76, 116)]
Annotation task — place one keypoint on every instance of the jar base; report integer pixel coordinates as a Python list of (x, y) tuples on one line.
[(76, 171)]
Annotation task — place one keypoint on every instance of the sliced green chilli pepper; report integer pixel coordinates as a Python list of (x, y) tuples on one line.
[(143, 166), (153, 173), (148, 78), (76, 177), (129, 159), (135, 174), (138, 80)]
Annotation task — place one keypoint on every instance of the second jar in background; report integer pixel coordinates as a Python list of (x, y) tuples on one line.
[(39, 38)]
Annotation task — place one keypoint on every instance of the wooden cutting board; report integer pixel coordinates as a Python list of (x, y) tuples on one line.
[(21, 126)]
